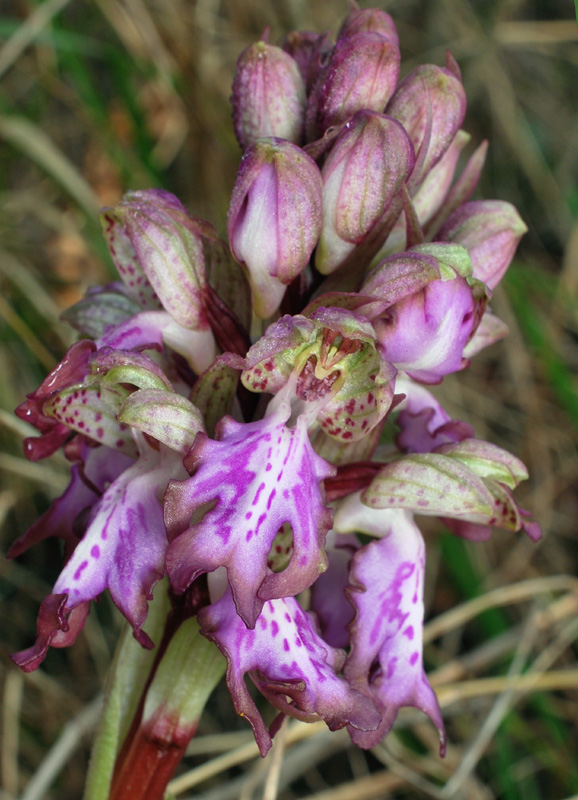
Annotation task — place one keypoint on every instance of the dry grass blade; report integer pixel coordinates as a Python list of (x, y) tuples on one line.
[(239, 755), (38, 147), (27, 335), (28, 31), (506, 595), (542, 32), (33, 472), (105, 97), (60, 753), (556, 680), (13, 688)]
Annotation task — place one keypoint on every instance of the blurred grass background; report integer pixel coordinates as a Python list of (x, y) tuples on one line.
[(98, 97)]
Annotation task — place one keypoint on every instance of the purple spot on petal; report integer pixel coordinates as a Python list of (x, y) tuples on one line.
[(391, 667), (256, 498), (274, 628), (78, 572), (409, 632), (285, 645), (413, 658), (95, 552)]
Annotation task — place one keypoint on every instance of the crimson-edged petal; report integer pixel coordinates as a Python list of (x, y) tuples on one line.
[(385, 661), (289, 663), (72, 369), (57, 626), (255, 478), (124, 546)]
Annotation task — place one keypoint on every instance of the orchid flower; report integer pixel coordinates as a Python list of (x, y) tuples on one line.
[(246, 485), (247, 462), (289, 663)]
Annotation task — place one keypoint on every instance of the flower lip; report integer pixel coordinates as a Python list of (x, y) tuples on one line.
[(260, 475)]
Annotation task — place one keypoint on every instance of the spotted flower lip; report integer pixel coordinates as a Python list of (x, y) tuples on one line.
[(124, 546), (289, 663), (67, 516), (54, 433), (386, 661), (249, 482)]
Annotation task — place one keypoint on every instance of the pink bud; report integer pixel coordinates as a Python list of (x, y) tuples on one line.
[(310, 51), (430, 196), (361, 74), (363, 173), (158, 249), (360, 20), (268, 95), (430, 103), (491, 230), (274, 218)]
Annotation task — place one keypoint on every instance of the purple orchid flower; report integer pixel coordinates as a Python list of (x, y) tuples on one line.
[(385, 661), (253, 479), (289, 663), (123, 549)]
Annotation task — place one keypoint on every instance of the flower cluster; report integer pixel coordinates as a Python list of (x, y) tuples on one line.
[(256, 468)]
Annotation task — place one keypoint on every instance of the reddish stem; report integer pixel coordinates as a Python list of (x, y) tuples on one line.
[(155, 752)]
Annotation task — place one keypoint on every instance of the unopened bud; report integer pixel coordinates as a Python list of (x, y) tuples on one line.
[(365, 169), (361, 74), (274, 218), (309, 51), (268, 95), (430, 103), (157, 248), (360, 20), (491, 230)]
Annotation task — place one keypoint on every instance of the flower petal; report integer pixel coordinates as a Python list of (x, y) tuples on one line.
[(124, 546), (385, 661), (288, 662), (259, 476)]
